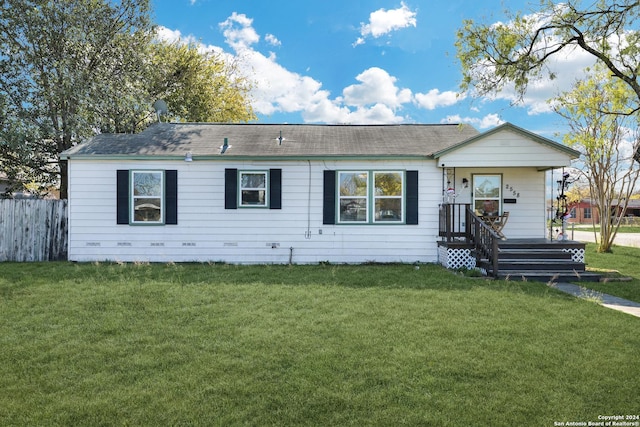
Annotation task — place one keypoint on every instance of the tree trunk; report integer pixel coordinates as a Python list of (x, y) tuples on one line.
[(64, 175)]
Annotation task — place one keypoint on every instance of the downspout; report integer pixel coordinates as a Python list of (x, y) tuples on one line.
[(307, 234)]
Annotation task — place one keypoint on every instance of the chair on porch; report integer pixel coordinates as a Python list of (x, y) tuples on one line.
[(496, 222)]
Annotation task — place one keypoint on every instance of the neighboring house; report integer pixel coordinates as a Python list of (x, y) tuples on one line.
[(279, 193), (585, 211), (633, 208)]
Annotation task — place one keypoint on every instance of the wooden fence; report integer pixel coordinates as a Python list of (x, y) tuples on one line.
[(33, 230)]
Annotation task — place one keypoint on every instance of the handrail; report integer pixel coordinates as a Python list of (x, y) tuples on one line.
[(458, 221), (453, 223), (484, 239)]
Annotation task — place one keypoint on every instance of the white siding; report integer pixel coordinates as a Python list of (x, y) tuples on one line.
[(527, 214), (208, 232), (505, 149)]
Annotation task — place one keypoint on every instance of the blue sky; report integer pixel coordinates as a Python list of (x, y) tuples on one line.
[(356, 61)]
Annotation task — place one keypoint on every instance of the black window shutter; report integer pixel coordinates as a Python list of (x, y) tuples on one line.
[(411, 201), (275, 188), (329, 198), (171, 196), (231, 188), (122, 196)]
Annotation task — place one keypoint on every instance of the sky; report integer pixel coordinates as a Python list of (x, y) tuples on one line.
[(361, 62)]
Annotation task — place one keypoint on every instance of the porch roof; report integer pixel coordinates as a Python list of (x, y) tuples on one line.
[(507, 146)]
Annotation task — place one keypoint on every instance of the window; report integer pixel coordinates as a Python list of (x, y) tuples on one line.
[(146, 191), (387, 196), (353, 196), (258, 189), (487, 194), (147, 197), (253, 189), (347, 197), (587, 213), (365, 197)]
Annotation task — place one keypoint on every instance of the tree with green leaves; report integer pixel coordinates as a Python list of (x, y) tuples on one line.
[(198, 86), (607, 143), (518, 52), (600, 111), (61, 62), (71, 69)]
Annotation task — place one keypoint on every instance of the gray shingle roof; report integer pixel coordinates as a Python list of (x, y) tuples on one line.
[(261, 140)]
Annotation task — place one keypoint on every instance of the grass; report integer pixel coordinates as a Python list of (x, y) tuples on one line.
[(195, 344), (621, 263)]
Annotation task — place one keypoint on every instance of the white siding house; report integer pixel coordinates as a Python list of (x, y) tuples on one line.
[(252, 193)]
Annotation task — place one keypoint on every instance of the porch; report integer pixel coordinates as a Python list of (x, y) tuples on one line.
[(467, 241)]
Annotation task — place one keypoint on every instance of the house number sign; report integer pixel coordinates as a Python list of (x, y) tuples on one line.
[(512, 190), (509, 189)]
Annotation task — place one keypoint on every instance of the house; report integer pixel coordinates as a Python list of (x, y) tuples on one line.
[(290, 193), (585, 211)]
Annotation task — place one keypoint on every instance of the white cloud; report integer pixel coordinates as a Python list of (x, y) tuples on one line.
[(434, 99), (272, 40), (173, 36), (276, 88), (376, 86), (375, 97), (629, 144), (488, 121), (238, 32), (374, 100), (333, 112), (384, 21)]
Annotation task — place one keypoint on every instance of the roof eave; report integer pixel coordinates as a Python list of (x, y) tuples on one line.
[(229, 157), (574, 154)]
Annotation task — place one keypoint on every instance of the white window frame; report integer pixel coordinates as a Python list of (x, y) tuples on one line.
[(134, 197), (401, 197), (241, 189), (497, 200), (356, 208), (370, 198)]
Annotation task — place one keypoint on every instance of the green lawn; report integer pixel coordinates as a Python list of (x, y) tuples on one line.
[(623, 259), (86, 345)]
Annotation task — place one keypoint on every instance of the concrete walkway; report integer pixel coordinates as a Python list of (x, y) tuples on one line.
[(615, 303), (609, 301)]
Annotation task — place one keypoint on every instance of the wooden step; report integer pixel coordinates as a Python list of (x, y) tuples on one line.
[(540, 264), (548, 276), (534, 254)]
